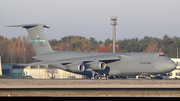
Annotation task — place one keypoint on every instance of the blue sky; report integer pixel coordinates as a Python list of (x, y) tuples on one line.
[(90, 18)]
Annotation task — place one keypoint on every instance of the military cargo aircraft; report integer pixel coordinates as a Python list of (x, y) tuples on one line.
[(95, 65)]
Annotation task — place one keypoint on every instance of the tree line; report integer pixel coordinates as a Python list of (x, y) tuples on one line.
[(20, 49)]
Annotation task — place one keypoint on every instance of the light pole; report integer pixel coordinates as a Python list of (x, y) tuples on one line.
[(114, 30), (177, 53)]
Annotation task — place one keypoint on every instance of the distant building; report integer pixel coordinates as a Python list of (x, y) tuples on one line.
[(36, 72), (7, 69)]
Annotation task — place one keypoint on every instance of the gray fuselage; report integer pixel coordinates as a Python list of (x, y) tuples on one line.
[(128, 64)]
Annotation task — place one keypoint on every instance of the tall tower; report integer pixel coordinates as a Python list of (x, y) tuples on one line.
[(113, 23)]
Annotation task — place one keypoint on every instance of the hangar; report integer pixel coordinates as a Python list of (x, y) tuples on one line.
[(36, 72)]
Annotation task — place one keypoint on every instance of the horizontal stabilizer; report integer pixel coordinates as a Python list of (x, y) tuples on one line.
[(29, 25)]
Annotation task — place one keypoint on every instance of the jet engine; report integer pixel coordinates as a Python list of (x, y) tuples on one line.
[(77, 67), (98, 66)]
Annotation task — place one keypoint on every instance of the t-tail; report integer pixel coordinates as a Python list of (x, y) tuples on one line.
[(38, 39)]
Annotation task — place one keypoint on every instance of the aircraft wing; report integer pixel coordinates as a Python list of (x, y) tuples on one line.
[(87, 59)]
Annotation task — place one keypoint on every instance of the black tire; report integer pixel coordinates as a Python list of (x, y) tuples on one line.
[(96, 76)]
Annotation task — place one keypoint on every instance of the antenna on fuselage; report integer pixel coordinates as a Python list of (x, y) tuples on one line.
[(162, 50)]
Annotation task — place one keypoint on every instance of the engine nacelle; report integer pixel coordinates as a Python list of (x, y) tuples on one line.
[(98, 66), (77, 67)]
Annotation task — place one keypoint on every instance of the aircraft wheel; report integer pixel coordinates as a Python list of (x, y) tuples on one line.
[(96, 76), (103, 77), (107, 76), (90, 77), (114, 77), (149, 78)]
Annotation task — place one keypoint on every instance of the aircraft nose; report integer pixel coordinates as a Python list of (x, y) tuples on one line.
[(171, 66)]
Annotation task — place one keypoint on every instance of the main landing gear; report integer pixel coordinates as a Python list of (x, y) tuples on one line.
[(99, 76)]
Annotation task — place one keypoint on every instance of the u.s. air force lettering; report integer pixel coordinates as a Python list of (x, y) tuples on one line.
[(145, 62)]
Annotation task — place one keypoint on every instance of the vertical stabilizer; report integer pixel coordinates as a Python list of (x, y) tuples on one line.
[(38, 39)]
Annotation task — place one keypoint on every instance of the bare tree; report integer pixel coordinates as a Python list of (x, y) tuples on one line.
[(52, 71), (152, 47)]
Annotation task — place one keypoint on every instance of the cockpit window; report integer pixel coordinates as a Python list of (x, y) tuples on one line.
[(161, 55)]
